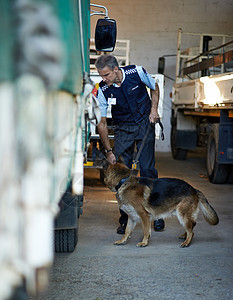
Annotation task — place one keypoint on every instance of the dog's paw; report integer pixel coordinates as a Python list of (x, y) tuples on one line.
[(120, 242), (184, 245), (141, 244)]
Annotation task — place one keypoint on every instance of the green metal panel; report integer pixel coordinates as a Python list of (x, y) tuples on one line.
[(74, 19), (6, 39), (68, 14), (86, 30), (75, 34)]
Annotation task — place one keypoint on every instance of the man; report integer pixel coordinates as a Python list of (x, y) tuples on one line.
[(132, 112)]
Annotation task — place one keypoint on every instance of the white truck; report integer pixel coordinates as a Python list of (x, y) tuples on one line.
[(202, 104)]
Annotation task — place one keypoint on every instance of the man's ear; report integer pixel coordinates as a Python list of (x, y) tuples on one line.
[(120, 159)]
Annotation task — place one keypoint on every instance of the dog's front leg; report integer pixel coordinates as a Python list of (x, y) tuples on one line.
[(128, 230), (146, 225)]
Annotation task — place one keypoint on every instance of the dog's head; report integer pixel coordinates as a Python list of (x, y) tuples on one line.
[(114, 174)]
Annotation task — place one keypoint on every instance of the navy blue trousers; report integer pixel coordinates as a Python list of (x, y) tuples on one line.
[(125, 138)]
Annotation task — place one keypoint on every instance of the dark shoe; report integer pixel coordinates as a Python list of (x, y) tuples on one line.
[(121, 229), (159, 225)]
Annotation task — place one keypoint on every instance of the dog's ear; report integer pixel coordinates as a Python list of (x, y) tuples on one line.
[(105, 164), (120, 159)]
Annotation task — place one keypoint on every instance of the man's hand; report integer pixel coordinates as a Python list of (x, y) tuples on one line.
[(154, 116), (111, 158), (103, 132)]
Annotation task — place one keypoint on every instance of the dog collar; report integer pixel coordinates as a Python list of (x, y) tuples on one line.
[(120, 183)]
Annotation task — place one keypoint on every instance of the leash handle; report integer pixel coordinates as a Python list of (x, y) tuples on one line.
[(161, 126)]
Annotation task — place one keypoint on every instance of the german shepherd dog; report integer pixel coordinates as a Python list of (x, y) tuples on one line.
[(144, 199)]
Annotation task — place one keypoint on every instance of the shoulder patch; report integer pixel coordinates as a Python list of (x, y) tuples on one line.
[(104, 87), (130, 71), (95, 89)]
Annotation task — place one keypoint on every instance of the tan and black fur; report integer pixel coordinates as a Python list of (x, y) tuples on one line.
[(144, 199)]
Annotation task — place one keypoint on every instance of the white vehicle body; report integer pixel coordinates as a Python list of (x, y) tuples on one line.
[(202, 113)]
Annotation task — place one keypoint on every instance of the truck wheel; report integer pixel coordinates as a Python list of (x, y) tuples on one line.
[(65, 240), (19, 293), (230, 175), (177, 153), (217, 173)]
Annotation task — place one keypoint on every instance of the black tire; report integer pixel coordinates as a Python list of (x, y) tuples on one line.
[(19, 293), (216, 172), (177, 153), (230, 175), (65, 240), (80, 206), (180, 154)]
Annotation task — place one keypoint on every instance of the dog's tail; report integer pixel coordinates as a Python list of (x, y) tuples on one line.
[(209, 213)]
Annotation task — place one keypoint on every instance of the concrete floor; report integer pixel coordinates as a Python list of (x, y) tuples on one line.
[(99, 270)]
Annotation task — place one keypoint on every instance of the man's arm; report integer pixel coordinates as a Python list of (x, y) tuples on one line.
[(154, 115), (103, 132), (154, 92)]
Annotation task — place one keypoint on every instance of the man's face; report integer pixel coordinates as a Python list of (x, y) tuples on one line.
[(109, 76)]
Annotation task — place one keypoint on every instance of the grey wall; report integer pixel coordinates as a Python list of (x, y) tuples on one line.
[(151, 26)]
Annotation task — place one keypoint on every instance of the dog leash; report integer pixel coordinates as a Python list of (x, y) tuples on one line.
[(136, 160), (161, 126)]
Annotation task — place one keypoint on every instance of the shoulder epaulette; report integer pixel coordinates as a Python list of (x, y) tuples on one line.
[(130, 70), (103, 86)]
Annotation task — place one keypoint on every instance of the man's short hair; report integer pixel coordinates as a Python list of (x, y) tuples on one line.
[(106, 60)]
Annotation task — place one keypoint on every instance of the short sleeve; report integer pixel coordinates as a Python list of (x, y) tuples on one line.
[(145, 77), (103, 104)]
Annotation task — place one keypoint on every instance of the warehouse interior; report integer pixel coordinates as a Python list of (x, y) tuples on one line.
[(151, 27)]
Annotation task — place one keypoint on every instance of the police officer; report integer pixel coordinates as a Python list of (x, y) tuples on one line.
[(124, 89)]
